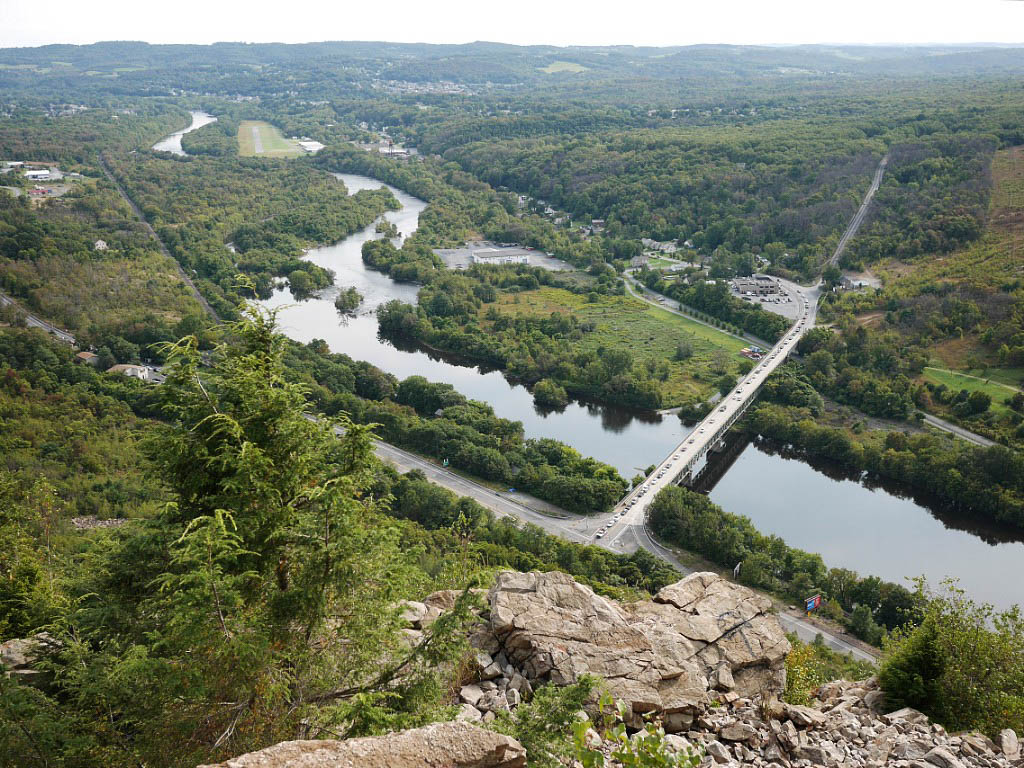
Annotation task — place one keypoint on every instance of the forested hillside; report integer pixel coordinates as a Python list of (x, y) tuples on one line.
[(217, 568)]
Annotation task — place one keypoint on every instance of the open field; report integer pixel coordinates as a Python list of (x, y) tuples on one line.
[(256, 137), (1011, 377), (659, 262), (563, 66), (957, 381), (649, 333)]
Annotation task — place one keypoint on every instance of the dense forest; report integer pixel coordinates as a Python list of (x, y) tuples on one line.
[(195, 549)]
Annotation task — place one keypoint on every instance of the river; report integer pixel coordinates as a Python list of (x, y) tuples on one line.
[(820, 508), (628, 441), (873, 528), (172, 143)]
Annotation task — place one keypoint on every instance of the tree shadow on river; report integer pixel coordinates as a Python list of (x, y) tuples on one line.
[(952, 518)]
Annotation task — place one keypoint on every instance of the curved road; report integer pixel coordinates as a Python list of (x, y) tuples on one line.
[(577, 528)]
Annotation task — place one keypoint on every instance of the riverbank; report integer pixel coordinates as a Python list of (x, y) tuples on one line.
[(624, 440), (172, 143)]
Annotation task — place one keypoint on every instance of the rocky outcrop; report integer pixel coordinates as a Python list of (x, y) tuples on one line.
[(660, 656), (705, 655), (845, 729), (443, 745), (18, 657)]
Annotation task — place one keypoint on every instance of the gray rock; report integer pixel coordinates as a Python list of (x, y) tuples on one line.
[(943, 758), (721, 677), (442, 745), (512, 697), (492, 701), (487, 668), (874, 700), (718, 751), (804, 717), (413, 612), (471, 694), (907, 714), (737, 731), (469, 714), (1009, 745), (656, 656), (676, 744)]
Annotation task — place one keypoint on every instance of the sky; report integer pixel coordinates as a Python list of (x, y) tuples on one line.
[(548, 22)]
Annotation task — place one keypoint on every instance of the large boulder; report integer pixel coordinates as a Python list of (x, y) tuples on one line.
[(657, 656), (442, 745), (18, 657)]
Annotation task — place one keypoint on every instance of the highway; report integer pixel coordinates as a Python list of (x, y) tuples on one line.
[(858, 218), (36, 322), (681, 463), (577, 528)]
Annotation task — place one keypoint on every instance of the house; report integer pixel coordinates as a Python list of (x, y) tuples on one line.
[(139, 372), (596, 225), (847, 283), (87, 358), (100, 245), (36, 174)]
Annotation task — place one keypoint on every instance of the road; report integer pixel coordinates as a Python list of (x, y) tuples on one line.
[(682, 461), (858, 217), (36, 322), (499, 503), (160, 243), (577, 528), (791, 623), (960, 432), (638, 290)]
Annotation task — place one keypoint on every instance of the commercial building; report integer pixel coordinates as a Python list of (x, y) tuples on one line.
[(498, 256), (756, 285)]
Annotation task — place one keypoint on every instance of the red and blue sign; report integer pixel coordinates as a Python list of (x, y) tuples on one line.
[(812, 603)]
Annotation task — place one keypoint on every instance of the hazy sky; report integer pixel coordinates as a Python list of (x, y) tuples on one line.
[(554, 22)]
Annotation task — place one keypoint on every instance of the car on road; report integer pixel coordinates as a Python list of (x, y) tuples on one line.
[(722, 409), (599, 535), (691, 440)]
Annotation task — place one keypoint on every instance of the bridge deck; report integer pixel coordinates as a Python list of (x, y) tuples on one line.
[(679, 465)]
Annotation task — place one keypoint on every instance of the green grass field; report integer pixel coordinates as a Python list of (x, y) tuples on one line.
[(563, 66), (659, 262), (957, 381), (256, 137), (1011, 377), (648, 332)]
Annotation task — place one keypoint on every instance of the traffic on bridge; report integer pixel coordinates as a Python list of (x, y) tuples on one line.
[(680, 464)]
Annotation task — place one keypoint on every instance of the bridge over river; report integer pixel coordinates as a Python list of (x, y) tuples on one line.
[(681, 465)]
